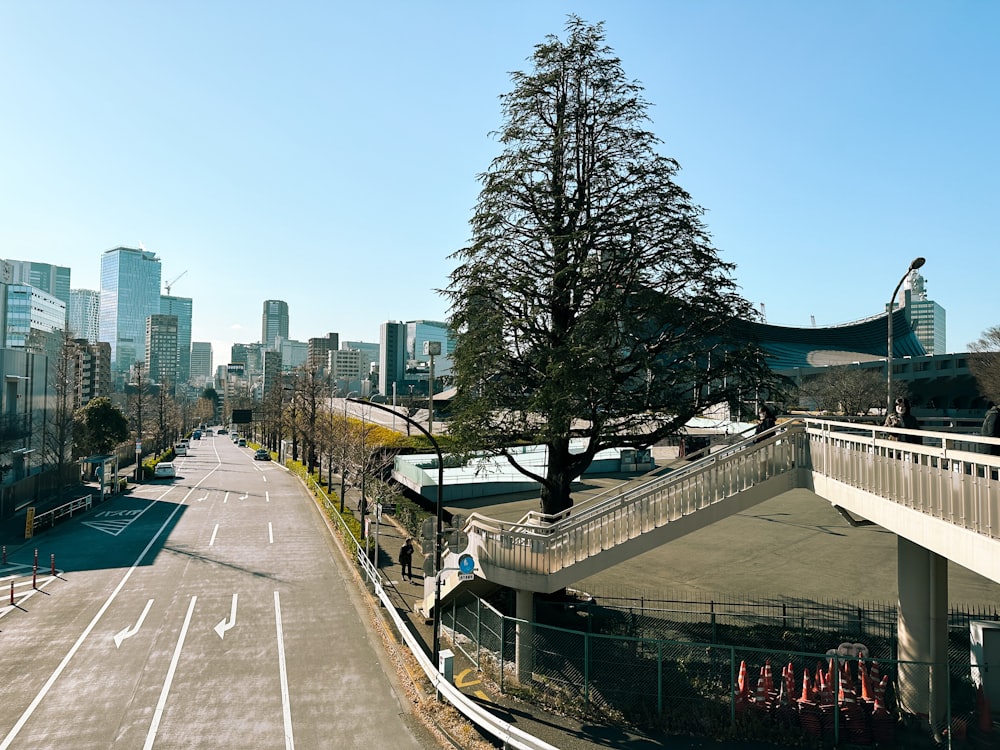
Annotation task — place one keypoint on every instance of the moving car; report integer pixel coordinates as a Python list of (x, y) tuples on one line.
[(222, 430), (164, 470), (261, 455), (242, 443), (181, 449)]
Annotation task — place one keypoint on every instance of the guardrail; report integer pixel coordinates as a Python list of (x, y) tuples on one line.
[(49, 517), (509, 735)]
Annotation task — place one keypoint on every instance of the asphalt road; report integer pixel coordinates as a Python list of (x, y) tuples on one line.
[(207, 612)]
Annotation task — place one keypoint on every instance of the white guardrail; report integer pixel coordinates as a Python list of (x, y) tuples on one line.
[(504, 731)]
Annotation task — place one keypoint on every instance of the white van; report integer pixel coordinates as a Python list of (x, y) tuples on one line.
[(180, 449)]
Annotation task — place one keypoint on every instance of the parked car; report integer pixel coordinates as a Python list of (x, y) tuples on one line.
[(261, 455), (223, 430), (164, 470)]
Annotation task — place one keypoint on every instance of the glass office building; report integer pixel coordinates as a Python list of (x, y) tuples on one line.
[(84, 313), (274, 323), (130, 293), (181, 307)]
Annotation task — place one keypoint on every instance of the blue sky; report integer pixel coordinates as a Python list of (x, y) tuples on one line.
[(326, 154)]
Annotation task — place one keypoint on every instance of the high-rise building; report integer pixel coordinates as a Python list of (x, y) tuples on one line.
[(92, 368), (272, 370), (32, 319), (181, 307), (201, 363), (161, 349), (84, 313), (130, 293), (293, 353), (251, 356), (927, 318), (419, 332), (53, 280), (274, 323), (392, 357), (319, 351)]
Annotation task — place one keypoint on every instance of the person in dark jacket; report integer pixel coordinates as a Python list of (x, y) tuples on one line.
[(767, 421), (406, 560), (991, 428), (901, 417)]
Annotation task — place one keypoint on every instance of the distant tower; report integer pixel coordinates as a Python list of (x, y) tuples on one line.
[(201, 362), (130, 293), (274, 322), (84, 309), (182, 308), (927, 318), (161, 349)]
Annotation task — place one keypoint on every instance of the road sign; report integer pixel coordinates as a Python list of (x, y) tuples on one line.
[(466, 564), (466, 576)]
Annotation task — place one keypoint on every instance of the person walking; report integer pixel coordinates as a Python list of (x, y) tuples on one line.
[(991, 428), (767, 421), (406, 560), (902, 417)]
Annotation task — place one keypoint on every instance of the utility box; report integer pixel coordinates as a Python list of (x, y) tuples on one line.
[(984, 640)]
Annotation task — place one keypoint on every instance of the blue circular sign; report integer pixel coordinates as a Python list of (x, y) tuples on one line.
[(466, 564)]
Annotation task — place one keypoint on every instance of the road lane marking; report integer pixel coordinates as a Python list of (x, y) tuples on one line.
[(270, 533), (121, 635), (267, 496), (19, 725), (162, 702), (215, 531), (286, 708), (229, 624), (226, 498)]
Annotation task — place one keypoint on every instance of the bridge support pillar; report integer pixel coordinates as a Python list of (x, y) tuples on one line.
[(922, 627), (524, 610)]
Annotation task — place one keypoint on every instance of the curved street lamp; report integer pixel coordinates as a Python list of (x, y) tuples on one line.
[(437, 534), (914, 265)]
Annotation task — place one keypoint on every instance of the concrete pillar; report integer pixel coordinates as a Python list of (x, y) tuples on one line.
[(524, 610), (922, 579)]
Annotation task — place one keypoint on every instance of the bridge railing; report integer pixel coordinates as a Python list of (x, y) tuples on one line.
[(546, 544), (949, 476)]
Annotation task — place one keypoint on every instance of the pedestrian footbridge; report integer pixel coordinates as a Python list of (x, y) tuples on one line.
[(940, 497)]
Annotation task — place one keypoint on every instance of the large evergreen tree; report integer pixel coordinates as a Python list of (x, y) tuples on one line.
[(590, 302)]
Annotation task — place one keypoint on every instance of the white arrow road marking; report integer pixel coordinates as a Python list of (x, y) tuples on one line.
[(225, 625), (121, 635), (203, 498), (244, 496)]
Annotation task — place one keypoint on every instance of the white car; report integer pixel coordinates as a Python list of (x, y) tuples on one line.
[(164, 470)]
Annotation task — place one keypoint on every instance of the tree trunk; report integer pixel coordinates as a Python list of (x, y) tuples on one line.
[(556, 491)]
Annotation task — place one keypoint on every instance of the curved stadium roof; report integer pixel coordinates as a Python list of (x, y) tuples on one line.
[(859, 341)]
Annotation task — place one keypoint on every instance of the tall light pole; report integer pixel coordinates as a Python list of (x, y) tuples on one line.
[(914, 265), (438, 535)]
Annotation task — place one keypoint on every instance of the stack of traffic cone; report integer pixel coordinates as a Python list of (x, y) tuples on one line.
[(760, 698), (882, 723), (807, 689), (768, 680), (867, 693), (742, 688)]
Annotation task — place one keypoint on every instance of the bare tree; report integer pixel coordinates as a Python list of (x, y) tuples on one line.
[(984, 362), (846, 390)]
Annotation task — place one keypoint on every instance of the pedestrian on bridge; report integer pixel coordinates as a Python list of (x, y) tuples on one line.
[(767, 421), (406, 560), (902, 417)]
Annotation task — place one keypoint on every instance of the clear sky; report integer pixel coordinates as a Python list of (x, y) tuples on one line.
[(326, 153)]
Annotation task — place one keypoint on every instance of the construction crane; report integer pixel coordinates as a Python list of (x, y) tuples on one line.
[(169, 284)]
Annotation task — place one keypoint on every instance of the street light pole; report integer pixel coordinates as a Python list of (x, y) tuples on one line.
[(914, 265), (438, 535)]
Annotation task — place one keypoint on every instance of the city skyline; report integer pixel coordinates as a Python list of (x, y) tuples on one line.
[(328, 156)]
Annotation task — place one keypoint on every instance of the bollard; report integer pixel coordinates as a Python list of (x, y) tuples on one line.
[(36, 558), (34, 578), (12, 593), (53, 566), (5, 554)]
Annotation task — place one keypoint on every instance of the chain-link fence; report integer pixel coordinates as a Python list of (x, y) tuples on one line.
[(757, 670)]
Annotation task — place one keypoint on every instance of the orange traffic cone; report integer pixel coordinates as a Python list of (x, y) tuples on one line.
[(807, 690), (760, 699), (768, 678), (866, 683), (742, 683)]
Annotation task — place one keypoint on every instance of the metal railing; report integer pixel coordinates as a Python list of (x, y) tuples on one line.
[(49, 517)]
